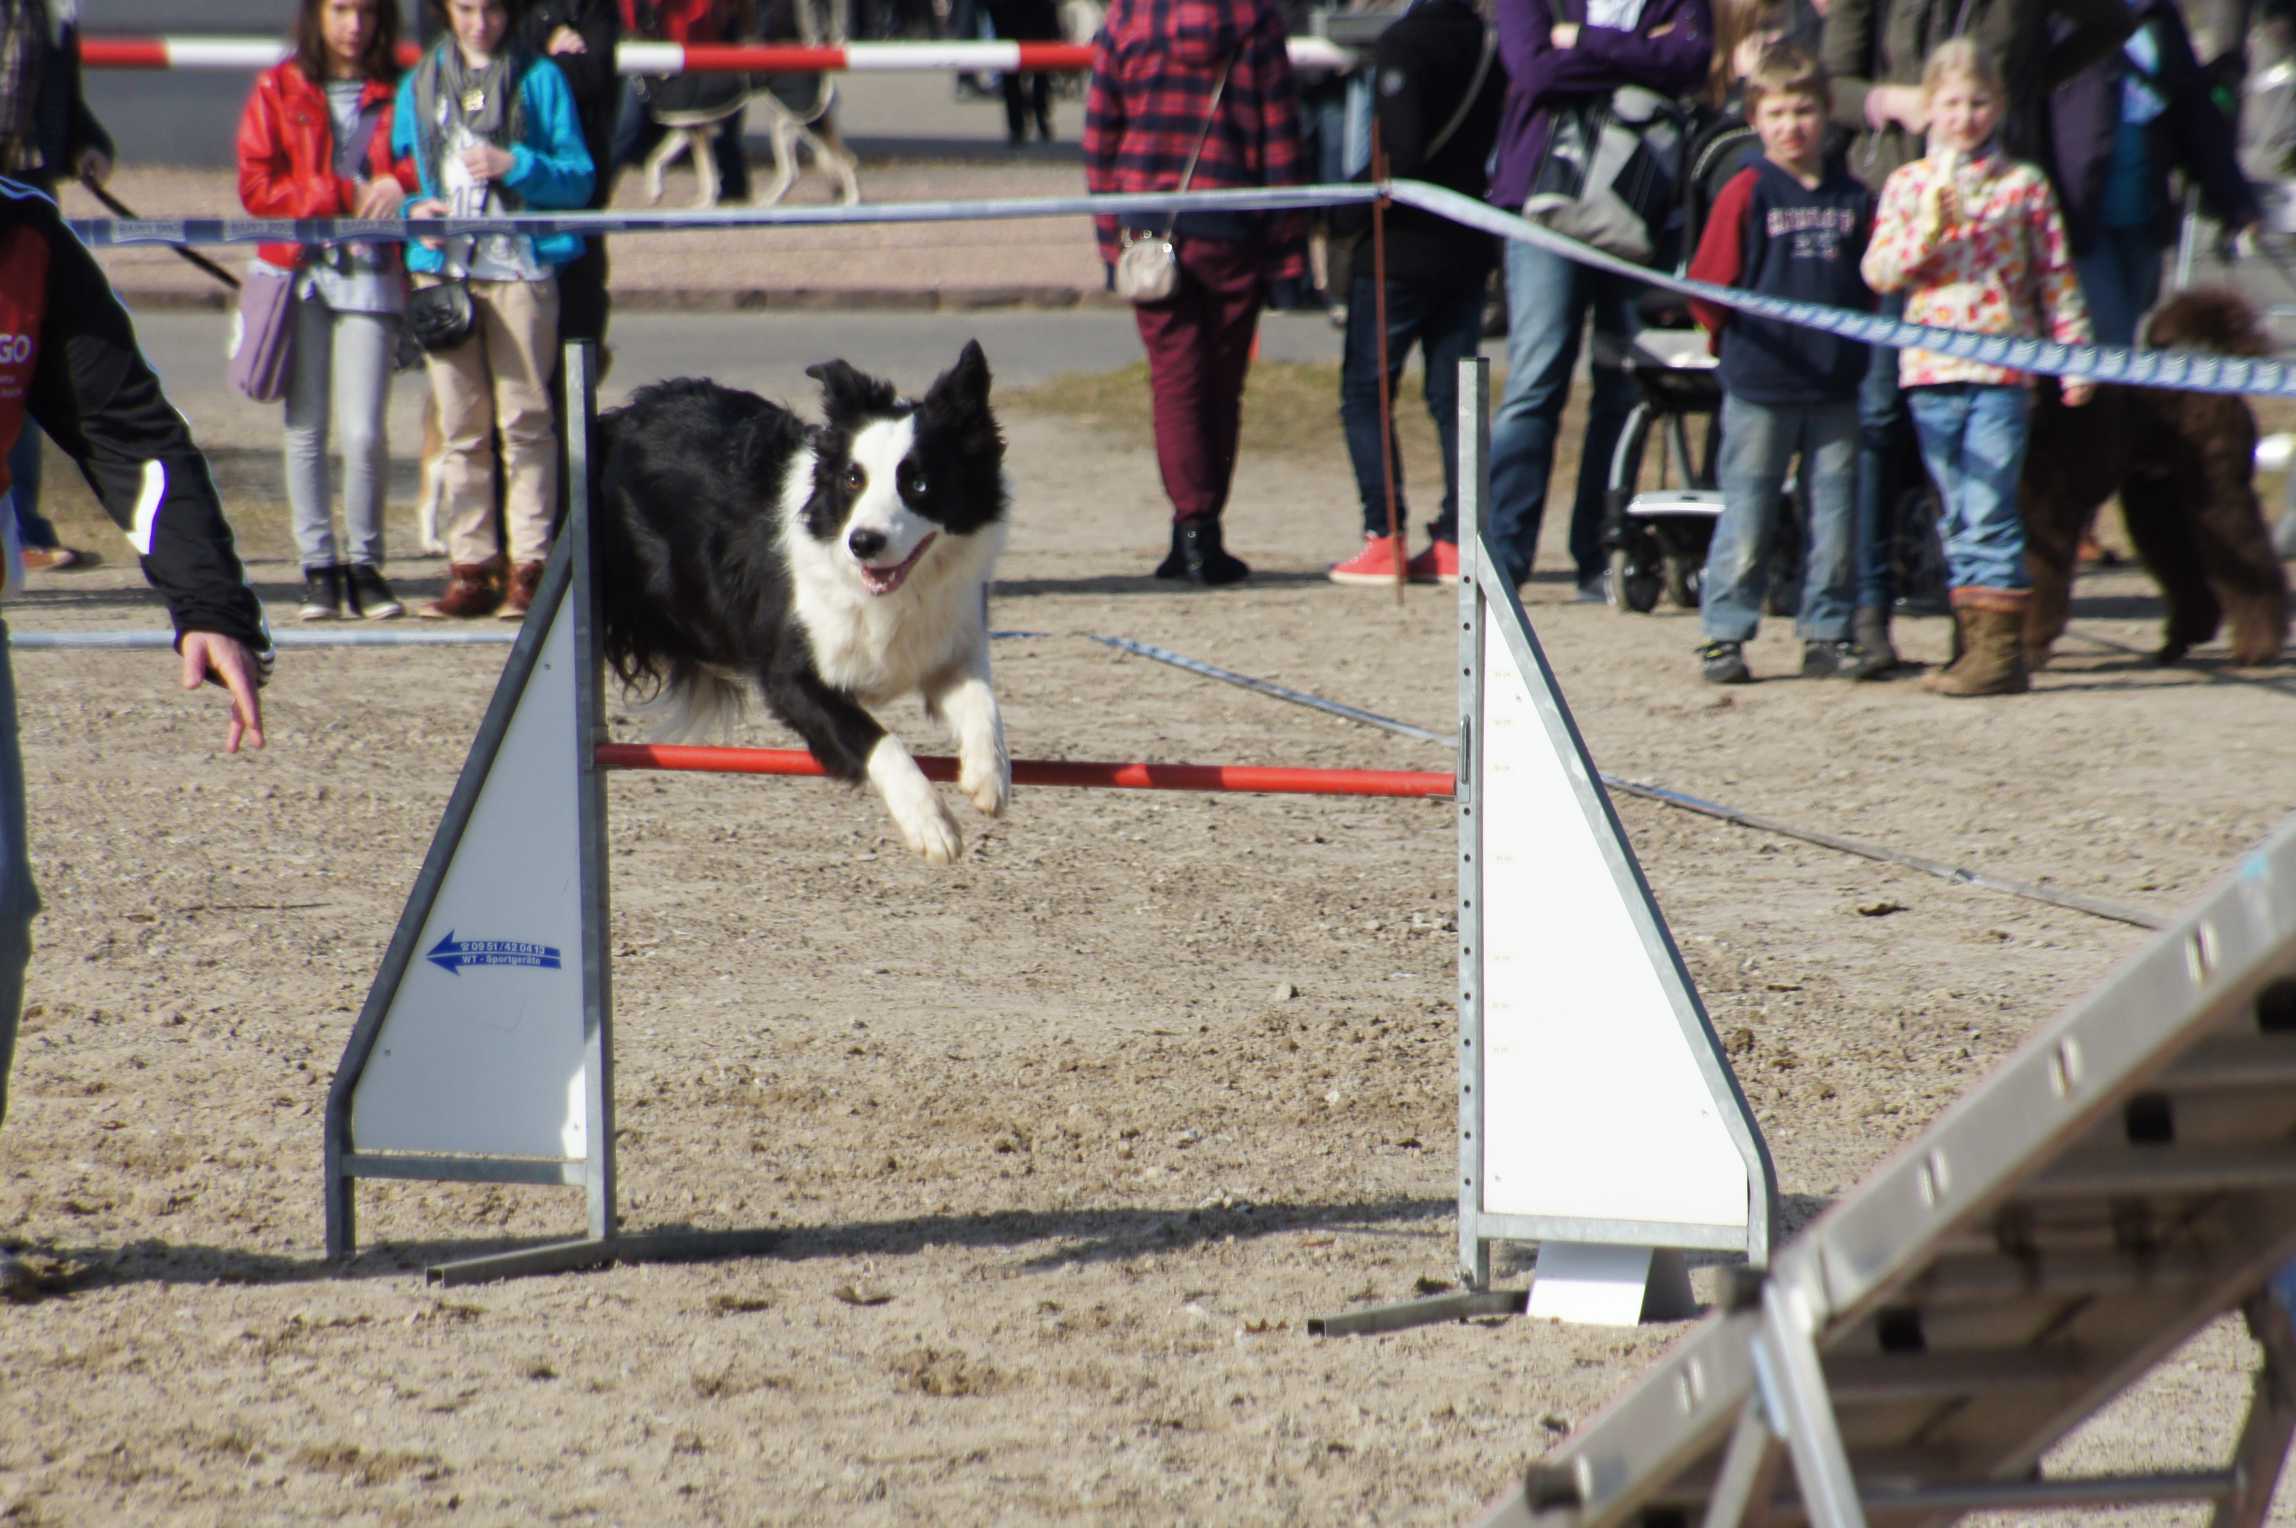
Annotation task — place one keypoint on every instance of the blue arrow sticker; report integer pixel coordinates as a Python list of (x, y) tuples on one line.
[(451, 954)]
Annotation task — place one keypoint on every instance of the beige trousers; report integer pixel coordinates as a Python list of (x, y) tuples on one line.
[(499, 379)]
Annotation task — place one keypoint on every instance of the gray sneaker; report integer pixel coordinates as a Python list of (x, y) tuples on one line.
[(369, 595), (1723, 663), (1827, 660), (322, 594)]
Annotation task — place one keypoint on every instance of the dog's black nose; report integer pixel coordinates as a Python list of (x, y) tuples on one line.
[(866, 544)]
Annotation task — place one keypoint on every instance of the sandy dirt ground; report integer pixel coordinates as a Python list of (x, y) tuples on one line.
[(1064, 1144)]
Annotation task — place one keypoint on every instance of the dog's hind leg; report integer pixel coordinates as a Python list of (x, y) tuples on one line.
[(783, 137), (665, 153), (963, 698), (2162, 529), (433, 476), (2236, 553), (852, 746), (837, 159)]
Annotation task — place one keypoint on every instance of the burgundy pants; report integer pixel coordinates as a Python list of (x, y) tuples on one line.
[(1199, 346)]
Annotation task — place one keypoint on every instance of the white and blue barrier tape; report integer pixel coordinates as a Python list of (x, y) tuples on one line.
[(2180, 370)]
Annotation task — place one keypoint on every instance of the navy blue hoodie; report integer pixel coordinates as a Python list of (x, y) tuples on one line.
[(1769, 233)]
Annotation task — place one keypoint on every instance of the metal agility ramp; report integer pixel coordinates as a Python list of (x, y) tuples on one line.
[(2122, 1179)]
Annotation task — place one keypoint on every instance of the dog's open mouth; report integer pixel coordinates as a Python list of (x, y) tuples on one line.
[(886, 580)]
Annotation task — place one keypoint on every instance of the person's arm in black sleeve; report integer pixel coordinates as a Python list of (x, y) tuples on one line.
[(590, 71), (99, 401)]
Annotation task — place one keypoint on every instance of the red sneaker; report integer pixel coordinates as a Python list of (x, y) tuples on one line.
[(1375, 564), (1439, 564)]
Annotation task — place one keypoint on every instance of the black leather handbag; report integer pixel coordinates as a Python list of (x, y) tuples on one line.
[(440, 317)]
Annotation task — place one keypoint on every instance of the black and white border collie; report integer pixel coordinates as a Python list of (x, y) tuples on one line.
[(835, 567)]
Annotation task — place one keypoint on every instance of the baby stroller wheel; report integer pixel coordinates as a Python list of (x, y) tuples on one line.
[(1633, 581), (1683, 577)]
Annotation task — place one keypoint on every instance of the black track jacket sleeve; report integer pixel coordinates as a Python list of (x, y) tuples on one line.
[(98, 399)]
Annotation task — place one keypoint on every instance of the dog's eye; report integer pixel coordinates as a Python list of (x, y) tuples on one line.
[(855, 478), (912, 482)]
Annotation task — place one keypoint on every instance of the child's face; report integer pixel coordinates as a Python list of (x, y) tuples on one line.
[(1792, 128), (1962, 114)]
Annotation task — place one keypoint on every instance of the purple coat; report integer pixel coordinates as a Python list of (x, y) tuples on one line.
[(1539, 73)]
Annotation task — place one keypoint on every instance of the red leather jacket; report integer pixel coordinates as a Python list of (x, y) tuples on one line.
[(287, 154)]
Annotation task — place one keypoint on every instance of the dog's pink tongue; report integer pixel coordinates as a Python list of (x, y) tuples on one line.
[(886, 580)]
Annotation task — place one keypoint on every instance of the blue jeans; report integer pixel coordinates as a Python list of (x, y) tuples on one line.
[(18, 900), (1881, 462), (1973, 440), (1444, 318), (1549, 299), (2120, 279), (24, 487), (1759, 442)]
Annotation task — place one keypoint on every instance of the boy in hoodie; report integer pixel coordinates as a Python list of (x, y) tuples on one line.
[(1794, 226)]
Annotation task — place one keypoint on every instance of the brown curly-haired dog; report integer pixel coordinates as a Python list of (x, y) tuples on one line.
[(2184, 467)]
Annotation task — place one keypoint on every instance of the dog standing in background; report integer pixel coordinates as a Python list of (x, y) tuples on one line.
[(833, 568), (796, 110), (2184, 465)]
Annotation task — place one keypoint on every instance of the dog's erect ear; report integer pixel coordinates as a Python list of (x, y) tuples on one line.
[(847, 394), (964, 387)]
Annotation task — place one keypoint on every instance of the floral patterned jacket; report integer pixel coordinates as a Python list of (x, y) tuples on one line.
[(2001, 266)]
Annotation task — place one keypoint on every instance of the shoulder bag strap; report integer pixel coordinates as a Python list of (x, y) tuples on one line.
[(1210, 111), (363, 136), (1467, 101)]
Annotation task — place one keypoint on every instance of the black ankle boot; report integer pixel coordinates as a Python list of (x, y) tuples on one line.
[(1205, 560), (1175, 563)]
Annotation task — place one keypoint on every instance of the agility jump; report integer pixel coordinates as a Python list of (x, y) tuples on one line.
[(1598, 1116)]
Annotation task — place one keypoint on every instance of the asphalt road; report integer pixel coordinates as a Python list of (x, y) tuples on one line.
[(769, 353), (188, 117), (766, 354)]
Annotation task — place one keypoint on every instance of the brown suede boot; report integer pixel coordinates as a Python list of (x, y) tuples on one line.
[(525, 579), (1992, 662), (471, 591)]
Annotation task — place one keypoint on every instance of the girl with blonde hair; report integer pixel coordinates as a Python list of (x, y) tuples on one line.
[(1975, 241)]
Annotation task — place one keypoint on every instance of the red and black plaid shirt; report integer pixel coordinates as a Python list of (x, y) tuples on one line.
[(1154, 67)]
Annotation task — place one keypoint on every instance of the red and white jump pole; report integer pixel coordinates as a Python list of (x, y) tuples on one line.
[(1257, 779)]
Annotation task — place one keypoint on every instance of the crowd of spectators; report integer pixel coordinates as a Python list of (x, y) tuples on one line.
[(517, 105), (2043, 209)]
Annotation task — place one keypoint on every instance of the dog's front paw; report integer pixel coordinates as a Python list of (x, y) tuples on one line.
[(988, 785), (928, 829), (925, 823)]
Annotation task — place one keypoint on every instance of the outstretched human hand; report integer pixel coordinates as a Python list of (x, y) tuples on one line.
[(234, 667)]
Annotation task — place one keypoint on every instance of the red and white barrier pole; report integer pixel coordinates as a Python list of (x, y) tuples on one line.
[(1255, 778), (248, 54)]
